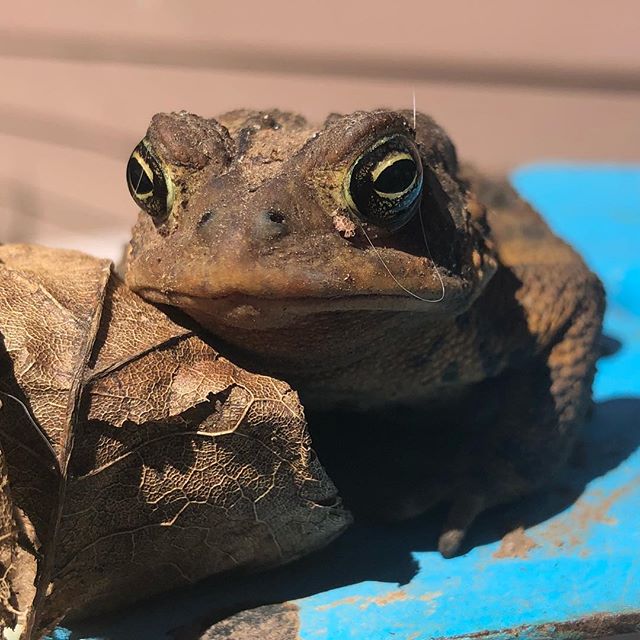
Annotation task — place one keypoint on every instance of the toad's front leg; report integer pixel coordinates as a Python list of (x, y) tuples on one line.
[(527, 419), (491, 443)]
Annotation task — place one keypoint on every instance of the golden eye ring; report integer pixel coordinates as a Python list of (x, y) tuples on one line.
[(149, 183), (384, 184)]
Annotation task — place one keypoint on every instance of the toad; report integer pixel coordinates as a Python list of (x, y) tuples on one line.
[(441, 337)]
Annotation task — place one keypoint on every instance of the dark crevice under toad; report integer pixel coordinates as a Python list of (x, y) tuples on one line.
[(441, 338)]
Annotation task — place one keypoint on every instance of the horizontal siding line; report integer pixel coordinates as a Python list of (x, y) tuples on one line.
[(74, 133), (27, 200), (249, 57)]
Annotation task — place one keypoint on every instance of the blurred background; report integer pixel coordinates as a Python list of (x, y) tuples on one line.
[(512, 82)]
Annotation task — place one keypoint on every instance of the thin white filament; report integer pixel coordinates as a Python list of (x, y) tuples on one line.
[(414, 108), (384, 264)]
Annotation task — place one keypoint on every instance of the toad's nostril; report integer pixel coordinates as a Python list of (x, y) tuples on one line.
[(271, 224), (275, 216), (206, 216)]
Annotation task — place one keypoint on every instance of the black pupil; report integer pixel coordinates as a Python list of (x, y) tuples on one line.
[(397, 177), (138, 179)]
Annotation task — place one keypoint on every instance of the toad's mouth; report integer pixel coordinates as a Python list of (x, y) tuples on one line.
[(257, 312)]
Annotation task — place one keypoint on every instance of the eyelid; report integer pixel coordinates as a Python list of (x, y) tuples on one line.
[(170, 189)]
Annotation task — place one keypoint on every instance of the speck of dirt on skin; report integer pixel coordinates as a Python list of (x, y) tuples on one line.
[(516, 544), (344, 226)]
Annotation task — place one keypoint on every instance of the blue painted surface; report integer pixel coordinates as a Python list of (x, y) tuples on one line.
[(381, 583), (597, 208)]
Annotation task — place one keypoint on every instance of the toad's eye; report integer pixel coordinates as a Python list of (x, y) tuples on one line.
[(384, 185), (148, 184)]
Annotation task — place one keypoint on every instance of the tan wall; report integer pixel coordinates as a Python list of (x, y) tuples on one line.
[(512, 81)]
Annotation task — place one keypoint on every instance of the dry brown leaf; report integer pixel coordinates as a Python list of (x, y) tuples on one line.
[(8, 546), (137, 459)]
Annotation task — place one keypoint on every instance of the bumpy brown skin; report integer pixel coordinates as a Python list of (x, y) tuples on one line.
[(475, 399)]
